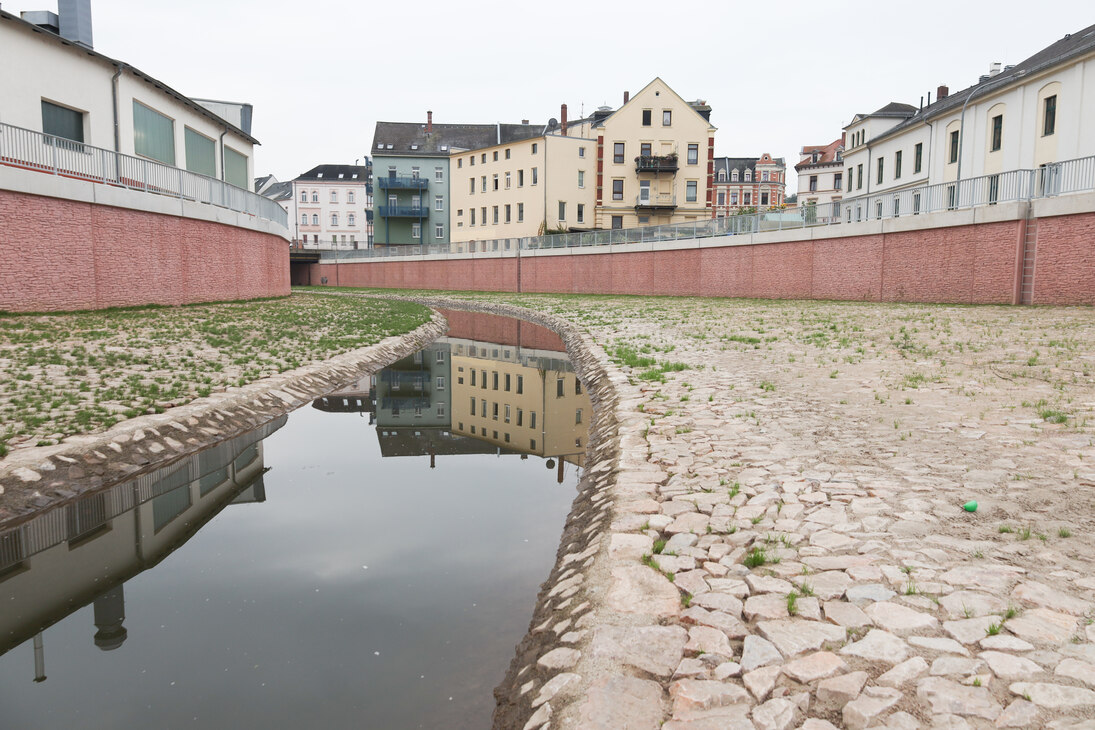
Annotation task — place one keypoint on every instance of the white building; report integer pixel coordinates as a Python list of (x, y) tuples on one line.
[(1021, 117), (332, 207), (821, 176), (55, 83)]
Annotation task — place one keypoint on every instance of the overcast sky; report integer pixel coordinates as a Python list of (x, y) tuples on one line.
[(777, 75)]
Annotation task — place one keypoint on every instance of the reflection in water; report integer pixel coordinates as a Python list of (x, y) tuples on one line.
[(120, 531), (368, 591)]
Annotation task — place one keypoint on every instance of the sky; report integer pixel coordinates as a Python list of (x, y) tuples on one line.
[(777, 75)]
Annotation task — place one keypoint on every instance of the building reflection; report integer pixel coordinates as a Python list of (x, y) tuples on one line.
[(492, 385), (83, 552)]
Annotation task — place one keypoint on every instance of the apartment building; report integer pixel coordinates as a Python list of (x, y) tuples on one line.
[(1026, 116), (655, 160), (331, 205), (821, 175), (523, 186), (748, 183)]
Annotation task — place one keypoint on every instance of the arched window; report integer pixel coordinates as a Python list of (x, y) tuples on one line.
[(315, 196), (733, 176), (304, 196), (349, 196), (722, 175), (334, 219), (351, 220), (315, 219), (304, 219), (334, 196)]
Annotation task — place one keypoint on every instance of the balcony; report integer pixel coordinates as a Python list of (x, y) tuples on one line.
[(656, 201), (403, 211), (656, 163), (402, 183)]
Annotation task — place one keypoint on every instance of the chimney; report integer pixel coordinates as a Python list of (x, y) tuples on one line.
[(429, 121), (75, 21), (995, 67), (563, 118), (627, 96), (524, 121), (941, 93)]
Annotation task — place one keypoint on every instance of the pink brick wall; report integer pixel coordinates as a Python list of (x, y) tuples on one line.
[(58, 255), (969, 264)]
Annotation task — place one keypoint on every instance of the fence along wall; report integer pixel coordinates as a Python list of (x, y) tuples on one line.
[(58, 254), (977, 260)]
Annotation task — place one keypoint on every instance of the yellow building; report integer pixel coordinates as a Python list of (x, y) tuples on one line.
[(519, 399), (647, 163), (657, 155)]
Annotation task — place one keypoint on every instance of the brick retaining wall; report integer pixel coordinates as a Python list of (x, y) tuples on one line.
[(967, 264), (58, 254)]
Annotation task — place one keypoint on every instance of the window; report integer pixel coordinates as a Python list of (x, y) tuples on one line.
[(617, 189), (315, 221), (471, 222), (859, 176), (577, 416), (850, 178), (764, 198), (617, 222), (349, 196), (473, 399), (494, 412), (581, 178), (734, 198), (647, 114), (351, 219), (881, 160), (722, 198), (690, 191), (508, 208), (235, 168), (483, 215), (439, 231), (520, 178), (416, 230), (747, 199), (483, 183), (334, 196), (201, 153), (415, 173), (520, 417), (1049, 117), (581, 213), (954, 147), (534, 176), (577, 386), (439, 202), (471, 185), (813, 183), (304, 219), (484, 159), (304, 196), (520, 212), (439, 174), (472, 385), (618, 152), (505, 415), (440, 380), (645, 149), (764, 176), (722, 175), (495, 158), (748, 176), (559, 388), (509, 180), (838, 181), (520, 384), (562, 211), (581, 151), (918, 157), (69, 124), (997, 132), (532, 419), (471, 161), (897, 165), (494, 180), (506, 384), (667, 118), (153, 134), (534, 147), (733, 176), (507, 153), (693, 154), (494, 210)]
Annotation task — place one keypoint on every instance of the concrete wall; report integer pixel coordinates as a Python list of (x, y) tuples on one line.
[(965, 256), (60, 254)]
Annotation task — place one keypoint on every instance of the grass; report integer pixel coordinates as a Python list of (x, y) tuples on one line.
[(994, 629), (66, 374), (1064, 532), (756, 558), (792, 603)]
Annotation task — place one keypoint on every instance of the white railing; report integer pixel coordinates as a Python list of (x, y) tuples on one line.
[(30, 150), (1059, 178)]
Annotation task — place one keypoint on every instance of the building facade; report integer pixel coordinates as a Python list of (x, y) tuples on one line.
[(821, 176), (330, 207), (748, 184), (1024, 117), (655, 160)]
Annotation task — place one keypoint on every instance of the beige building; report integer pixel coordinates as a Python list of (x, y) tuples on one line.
[(655, 158)]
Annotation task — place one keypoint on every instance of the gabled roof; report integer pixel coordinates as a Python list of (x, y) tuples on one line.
[(826, 154), (279, 191), (186, 100), (337, 173), (697, 107), (1067, 48), (410, 139)]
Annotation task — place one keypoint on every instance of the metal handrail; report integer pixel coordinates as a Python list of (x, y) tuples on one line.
[(402, 183), (31, 150)]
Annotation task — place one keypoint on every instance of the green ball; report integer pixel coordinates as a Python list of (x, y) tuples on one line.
[(970, 506)]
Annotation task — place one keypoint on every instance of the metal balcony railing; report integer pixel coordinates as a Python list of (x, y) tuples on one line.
[(30, 150), (402, 183), (656, 163), (403, 211)]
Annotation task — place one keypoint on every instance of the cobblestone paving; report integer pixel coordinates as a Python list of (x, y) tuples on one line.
[(789, 546)]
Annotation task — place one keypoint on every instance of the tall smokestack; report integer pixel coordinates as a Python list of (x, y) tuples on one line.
[(627, 96), (563, 118), (429, 121), (75, 21), (941, 93)]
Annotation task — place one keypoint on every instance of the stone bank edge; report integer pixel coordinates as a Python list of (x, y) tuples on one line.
[(37, 478)]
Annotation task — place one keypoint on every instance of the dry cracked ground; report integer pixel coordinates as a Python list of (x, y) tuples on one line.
[(789, 545)]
